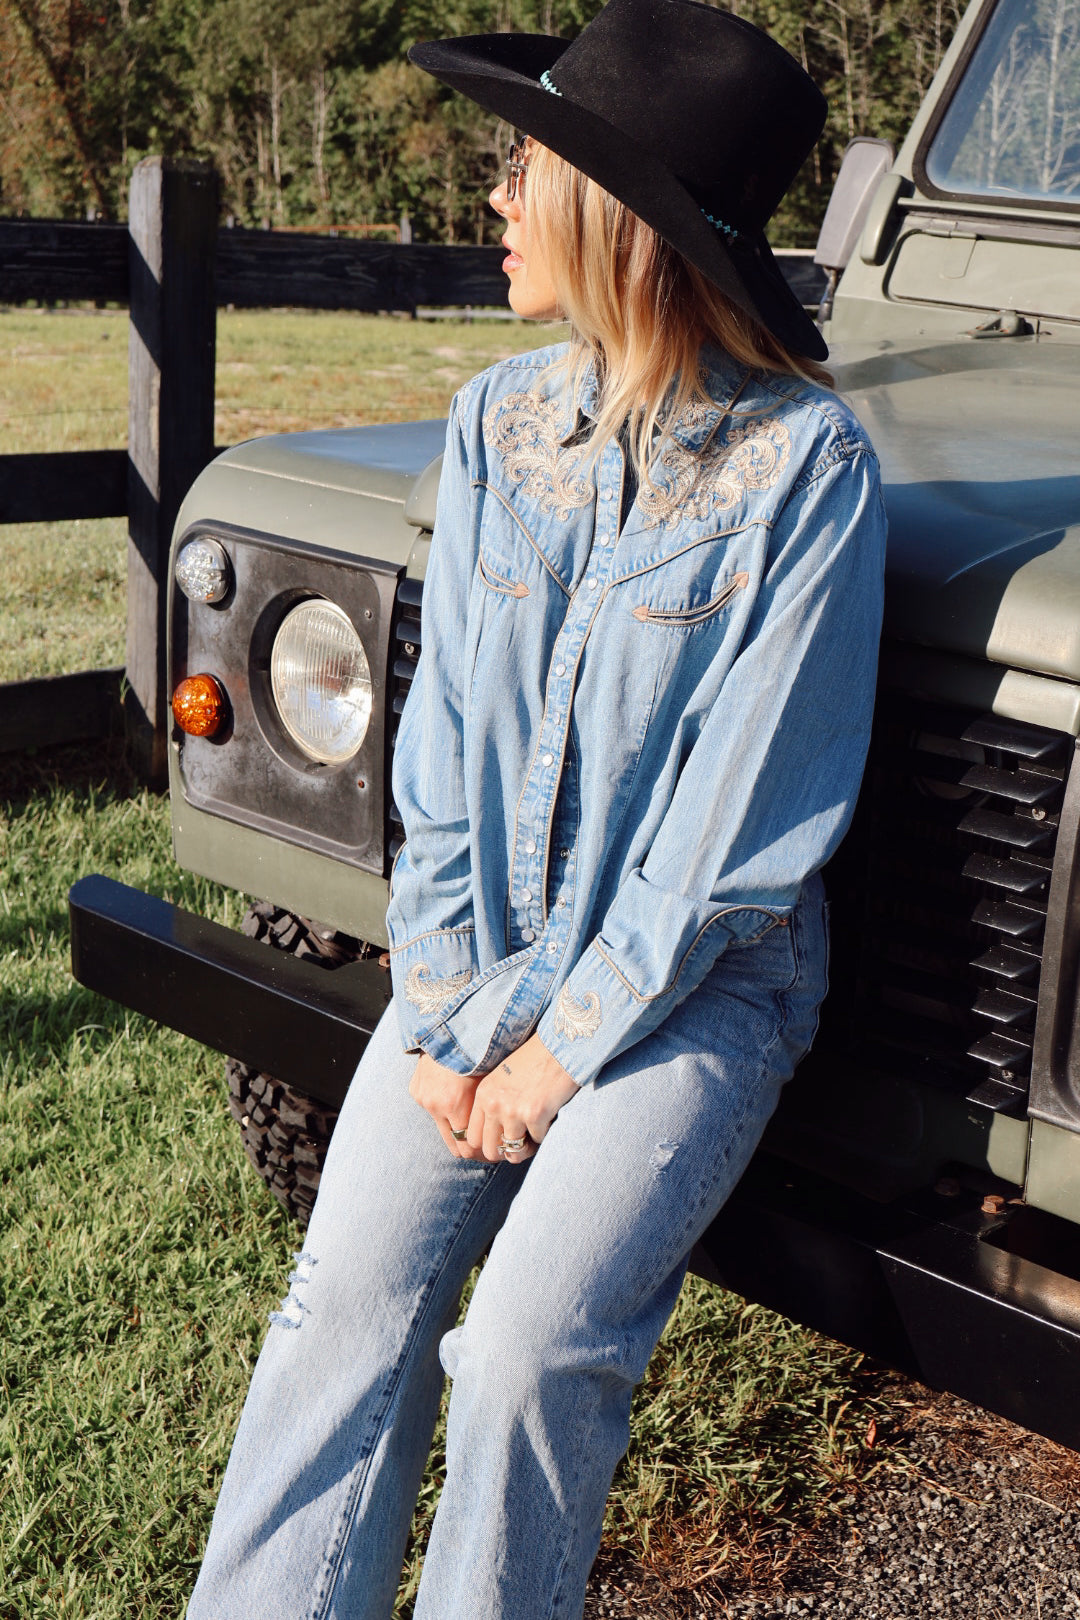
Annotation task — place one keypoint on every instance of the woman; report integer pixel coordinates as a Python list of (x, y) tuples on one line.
[(636, 732)]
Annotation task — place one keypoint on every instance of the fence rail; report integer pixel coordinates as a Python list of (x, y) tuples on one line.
[(46, 260), (173, 266)]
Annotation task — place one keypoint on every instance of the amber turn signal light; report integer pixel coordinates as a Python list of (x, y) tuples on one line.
[(199, 706)]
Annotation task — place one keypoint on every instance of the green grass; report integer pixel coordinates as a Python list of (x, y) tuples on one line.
[(63, 386), (141, 1255)]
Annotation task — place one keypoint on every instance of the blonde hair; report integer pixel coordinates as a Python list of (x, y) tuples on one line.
[(637, 309)]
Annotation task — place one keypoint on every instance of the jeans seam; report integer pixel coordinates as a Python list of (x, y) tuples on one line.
[(347, 1518), (575, 1526)]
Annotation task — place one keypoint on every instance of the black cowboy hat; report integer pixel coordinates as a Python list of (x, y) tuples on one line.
[(693, 118)]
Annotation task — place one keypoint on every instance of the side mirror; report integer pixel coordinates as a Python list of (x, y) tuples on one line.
[(864, 165)]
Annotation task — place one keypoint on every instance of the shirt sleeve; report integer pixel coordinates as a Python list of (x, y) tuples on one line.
[(429, 918), (779, 759)]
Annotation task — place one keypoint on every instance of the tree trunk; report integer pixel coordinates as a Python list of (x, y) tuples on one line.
[(275, 140), (318, 139), (264, 171)]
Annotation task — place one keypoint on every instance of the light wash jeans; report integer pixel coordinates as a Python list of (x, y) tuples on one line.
[(588, 1245)]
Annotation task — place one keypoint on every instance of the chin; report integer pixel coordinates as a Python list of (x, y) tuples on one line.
[(531, 309)]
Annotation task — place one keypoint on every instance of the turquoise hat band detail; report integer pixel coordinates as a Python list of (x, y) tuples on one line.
[(718, 224)]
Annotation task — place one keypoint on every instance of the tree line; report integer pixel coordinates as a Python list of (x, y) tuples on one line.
[(313, 117)]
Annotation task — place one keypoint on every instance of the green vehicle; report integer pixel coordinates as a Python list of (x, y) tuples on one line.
[(918, 1194)]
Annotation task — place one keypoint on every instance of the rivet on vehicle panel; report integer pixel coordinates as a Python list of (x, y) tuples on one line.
[(993, 1204), (368, 613), (1007, 1074), (1038, 813)]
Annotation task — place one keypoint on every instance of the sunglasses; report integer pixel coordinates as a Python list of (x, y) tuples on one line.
[(516, 164)]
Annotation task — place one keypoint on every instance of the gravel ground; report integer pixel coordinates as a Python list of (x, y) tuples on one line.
[(963, 1516)]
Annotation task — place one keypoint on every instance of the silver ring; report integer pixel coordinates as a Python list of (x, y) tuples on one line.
[(459, 1136), (515, 1144)]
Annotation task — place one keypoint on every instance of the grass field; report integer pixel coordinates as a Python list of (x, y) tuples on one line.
[(63, 386), (140, 1253)]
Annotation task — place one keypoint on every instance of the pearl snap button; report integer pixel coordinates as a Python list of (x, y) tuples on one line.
[(560, 669), (591, 583), (530, 848), (548, 759), (552, 947), (527, 935), (564, 854), (607, 494), (561, 901), (525, 896)]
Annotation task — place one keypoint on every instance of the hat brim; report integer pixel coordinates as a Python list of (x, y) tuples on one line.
[(501, 73)]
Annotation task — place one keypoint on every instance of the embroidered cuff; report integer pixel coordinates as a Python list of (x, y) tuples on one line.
[(464, 1019), (595, 1016), (600, 1012), (430, 975)]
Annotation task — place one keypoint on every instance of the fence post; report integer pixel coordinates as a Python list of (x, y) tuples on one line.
[(173, 213)]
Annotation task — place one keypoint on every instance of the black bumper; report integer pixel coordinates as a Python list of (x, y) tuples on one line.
[(985, 1306), (294, 1020)]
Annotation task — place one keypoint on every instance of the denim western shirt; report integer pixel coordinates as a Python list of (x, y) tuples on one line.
[(628, 744)]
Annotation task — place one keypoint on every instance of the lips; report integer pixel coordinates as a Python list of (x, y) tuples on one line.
[(513, 261)]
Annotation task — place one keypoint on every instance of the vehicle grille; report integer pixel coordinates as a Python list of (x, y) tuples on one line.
[(404, 655), (939, 900)]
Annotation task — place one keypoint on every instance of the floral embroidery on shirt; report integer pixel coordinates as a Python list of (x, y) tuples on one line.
[(431, 995), (693, 484), (577, 1018), (524, 429)]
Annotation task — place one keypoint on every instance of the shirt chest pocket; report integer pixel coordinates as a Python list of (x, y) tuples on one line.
[(684, 599), (502, 583), (525, 552)]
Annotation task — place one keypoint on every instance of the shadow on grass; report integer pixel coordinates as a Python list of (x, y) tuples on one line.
[(45, 1024), (50, 926), (100, 767)]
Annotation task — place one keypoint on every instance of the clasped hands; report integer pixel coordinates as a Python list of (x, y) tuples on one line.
[(519, 1098)]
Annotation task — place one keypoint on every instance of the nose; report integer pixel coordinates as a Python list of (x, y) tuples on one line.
[(501, 203)]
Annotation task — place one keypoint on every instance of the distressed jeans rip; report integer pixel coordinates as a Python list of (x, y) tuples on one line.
[(662, 1155), (293, 1310)]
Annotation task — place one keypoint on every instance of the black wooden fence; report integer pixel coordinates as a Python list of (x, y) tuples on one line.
[(174, 267)]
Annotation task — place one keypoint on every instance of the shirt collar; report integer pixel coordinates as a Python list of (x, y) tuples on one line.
[(584, 407), (725, 381)]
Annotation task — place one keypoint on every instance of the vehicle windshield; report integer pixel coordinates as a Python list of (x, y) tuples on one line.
[(1013, 127)]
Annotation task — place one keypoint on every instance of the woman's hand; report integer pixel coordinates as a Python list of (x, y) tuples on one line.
[(448, 1098), (518, 1099)]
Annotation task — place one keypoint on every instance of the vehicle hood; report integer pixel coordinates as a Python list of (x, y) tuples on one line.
[(345, 489), (979, 442), (382, 462)]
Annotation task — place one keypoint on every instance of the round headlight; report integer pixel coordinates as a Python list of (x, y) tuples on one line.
[(202, 571), (321, 681)]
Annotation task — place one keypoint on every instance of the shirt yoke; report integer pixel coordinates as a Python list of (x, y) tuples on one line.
[(834, 431)]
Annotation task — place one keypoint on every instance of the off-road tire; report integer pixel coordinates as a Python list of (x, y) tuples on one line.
[(285, 1133)]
